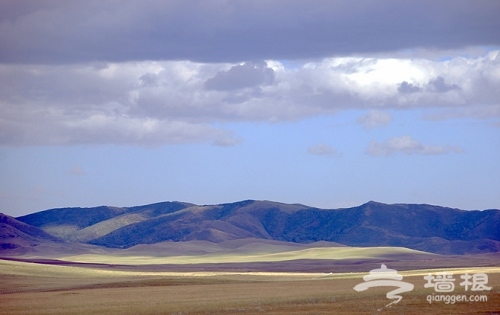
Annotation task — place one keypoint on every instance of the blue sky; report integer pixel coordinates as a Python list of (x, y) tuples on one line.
[(107, 105)]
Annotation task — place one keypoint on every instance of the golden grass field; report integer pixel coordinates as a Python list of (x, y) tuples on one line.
[(333, 253), (128, 285)]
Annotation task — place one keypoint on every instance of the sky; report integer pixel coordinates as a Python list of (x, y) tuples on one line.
[(325, 103)]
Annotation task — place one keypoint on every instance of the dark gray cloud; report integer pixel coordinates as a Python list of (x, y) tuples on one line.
[(48, 31), (437, 85), (407, 88), (249, 74), (440, 86)]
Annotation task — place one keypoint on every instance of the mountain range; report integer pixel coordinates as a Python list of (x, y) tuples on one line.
[(422, 227)]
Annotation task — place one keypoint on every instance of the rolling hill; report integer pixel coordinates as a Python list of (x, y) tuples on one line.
[(18, 237), (422, 227)]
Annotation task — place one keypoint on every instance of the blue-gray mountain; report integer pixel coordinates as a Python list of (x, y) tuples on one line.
[(422, 227), (14, 233)]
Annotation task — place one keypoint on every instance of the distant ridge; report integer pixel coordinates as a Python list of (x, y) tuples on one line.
[(422, 227)]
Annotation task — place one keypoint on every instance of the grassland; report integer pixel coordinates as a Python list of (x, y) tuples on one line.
[(331, 253), (237, 282)]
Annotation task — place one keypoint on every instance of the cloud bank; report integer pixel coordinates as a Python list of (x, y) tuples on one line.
[(55, 32), (168, 102)]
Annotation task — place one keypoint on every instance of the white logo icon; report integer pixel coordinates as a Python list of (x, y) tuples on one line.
[(384, 277)]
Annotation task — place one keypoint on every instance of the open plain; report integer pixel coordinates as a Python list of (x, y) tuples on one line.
[(270, 280)]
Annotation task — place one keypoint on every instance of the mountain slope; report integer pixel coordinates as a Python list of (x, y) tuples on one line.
[(85, 224), (422, 227), (18, 236)]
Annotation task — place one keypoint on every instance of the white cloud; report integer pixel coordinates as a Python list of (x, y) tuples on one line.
[(167, 102), (375, 118), (322, 150), (407, 145)]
